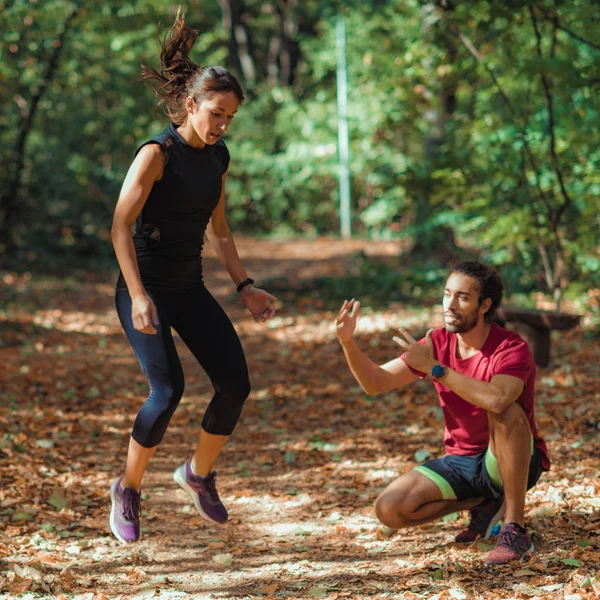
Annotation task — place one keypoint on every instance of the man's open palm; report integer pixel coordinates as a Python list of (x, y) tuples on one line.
[(346, 320)]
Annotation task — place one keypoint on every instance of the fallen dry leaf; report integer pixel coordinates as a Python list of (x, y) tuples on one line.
[(137, 575), (299, 476)]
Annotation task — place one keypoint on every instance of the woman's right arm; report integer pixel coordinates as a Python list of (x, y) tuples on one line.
[(144, 171)]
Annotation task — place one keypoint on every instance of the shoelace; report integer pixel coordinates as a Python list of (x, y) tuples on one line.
[(210, 485), (132, 507), (206, 485), (506, 537)]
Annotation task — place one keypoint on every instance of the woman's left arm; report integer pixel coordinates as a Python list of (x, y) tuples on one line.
[(257, 301)]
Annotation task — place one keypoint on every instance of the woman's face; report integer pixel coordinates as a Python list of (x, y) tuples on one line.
[(211, 117)]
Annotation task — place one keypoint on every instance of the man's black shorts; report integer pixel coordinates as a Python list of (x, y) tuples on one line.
[(460, 477)]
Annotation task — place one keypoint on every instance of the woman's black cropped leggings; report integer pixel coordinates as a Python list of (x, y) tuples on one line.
[(207, 331)]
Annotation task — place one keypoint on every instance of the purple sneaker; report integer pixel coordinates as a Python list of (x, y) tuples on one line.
[(203, 492), (125, 512)]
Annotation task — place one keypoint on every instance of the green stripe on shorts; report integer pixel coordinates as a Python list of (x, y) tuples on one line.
[(445, 487), (493, 469)]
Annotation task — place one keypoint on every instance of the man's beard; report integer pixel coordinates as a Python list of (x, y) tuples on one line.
[(463, 323)]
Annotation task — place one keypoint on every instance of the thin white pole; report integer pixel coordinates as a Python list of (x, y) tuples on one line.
[(343, 138)]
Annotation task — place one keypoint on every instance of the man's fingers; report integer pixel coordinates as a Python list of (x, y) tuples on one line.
[(428, 336), (347, 306), (343, 308), (355, 310), (341, 316), (407, 335), (402, 343)]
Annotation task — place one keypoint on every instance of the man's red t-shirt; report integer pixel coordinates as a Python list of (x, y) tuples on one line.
[(503, 353)]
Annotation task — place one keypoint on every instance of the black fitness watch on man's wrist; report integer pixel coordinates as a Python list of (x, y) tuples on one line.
[(438, 371)]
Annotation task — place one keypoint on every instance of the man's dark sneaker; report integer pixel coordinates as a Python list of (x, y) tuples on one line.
[(203, 491), (125, 512), (513, 544), (484, 518)]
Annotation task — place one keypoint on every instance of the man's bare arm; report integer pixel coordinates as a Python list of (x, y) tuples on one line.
[(373, 379), (494, 396)]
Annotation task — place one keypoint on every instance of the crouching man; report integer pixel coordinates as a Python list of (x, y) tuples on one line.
[(485, 379)]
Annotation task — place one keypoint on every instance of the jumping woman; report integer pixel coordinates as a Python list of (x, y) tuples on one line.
[(174, 192)]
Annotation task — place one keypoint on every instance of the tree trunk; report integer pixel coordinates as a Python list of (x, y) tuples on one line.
[(9, 203), (240, 41), (440, 238), (554, 216), (272, 62), (289, 47)]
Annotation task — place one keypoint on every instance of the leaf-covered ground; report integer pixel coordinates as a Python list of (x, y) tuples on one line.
[(299, 476)]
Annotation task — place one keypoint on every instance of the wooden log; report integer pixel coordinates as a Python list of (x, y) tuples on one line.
[(538, 340), (541, 319), (535, 327)]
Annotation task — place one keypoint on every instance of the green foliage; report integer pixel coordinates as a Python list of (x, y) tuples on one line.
[(476, 127)]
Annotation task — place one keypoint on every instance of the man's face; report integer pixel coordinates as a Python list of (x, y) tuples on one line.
[(462, 310)]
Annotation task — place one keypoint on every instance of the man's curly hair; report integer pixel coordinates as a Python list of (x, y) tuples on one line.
[(490, 282)]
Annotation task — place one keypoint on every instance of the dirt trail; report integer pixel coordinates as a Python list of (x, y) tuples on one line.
[(299, 476)]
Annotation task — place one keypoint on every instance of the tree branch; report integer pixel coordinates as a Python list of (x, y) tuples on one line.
[(551, 123), (554, 20), (471, 48), (546, 262), (26, 124)]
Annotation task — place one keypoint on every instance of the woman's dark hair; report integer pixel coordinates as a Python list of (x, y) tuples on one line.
[(490, 282), (180, 77)]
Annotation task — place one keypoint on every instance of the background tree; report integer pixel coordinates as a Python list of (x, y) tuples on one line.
[(473, 128)]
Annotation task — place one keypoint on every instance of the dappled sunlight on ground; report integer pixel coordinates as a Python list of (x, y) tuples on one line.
[(300, 475)]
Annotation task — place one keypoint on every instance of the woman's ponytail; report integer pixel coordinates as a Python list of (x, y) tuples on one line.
[(171, 83), (180, 77)]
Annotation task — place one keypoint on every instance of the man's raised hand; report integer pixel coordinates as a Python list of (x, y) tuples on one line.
[(418, 356), (346, 320)]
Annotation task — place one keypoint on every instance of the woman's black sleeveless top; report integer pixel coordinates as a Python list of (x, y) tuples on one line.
[(169, 232)]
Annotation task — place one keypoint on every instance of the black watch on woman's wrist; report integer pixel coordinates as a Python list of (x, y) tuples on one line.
[(244, 283)]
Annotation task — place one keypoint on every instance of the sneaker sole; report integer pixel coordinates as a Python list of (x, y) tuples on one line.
[(111, 520), (181, 482), (525, 554), (530, 551), (524, 557), (494, 521)]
